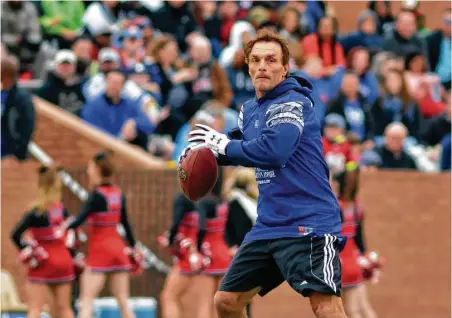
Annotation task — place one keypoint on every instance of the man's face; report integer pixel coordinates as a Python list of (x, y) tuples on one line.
[(114, 85), (200, 54), (350, 85), (65, 70), (132, 45), (265, 66), (108, 66), (369, 26), (394, 140), (82, 49), (331, 132), (406, 25), (360, 61)]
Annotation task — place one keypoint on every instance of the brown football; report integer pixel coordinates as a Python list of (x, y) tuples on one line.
[(198, 173)]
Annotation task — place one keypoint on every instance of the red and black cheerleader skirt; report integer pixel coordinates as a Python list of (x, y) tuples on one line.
[(106, 250), (58, 267)]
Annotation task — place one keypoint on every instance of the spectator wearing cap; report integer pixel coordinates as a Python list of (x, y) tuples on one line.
[(392, 154), (18, 114), (358, 61), (141, 75), (146, 27), (62, 20), (109, 60), (117, 115), (325, 44), (132, 49), (326, 87), (366, 36), (351, 105), (396, 105), (439, 50), (403, 39), (63, 87), (20, 30), (336, 148)]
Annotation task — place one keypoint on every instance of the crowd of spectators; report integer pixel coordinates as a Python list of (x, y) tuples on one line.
[(146, 71)]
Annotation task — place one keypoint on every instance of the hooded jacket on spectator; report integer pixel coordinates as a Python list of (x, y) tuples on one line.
[(373, 42), (109, 117), (18, 122), (67, 95)]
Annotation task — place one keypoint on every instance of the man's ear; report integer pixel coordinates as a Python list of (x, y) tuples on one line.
[(286, 70)]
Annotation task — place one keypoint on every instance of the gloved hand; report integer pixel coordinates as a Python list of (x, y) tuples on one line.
[(208, 138)]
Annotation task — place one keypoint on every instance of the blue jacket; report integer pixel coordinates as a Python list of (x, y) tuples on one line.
[(109, 117), (280, 136)]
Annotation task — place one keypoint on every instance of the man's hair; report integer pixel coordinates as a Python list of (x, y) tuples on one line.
[(268, 35)]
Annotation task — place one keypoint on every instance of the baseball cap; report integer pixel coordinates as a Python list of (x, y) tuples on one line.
[(108, 55), (65, 56), (133, 33), (335, 120)]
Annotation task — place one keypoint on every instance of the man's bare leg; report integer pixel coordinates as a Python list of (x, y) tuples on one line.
[(327, 306), (232, 305)]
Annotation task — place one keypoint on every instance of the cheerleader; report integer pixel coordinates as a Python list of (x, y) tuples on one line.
[(49, 261), (352, 256), (107, 255), (181, 239), (242, 193), (211, 245)]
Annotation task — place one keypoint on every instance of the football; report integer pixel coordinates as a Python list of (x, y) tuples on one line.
[(197, 173)]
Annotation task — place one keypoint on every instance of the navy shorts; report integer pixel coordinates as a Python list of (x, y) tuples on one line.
[(308, 264)]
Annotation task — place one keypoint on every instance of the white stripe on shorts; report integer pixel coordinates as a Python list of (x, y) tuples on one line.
[(329, 254)]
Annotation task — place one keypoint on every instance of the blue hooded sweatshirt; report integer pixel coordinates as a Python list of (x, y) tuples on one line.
[(103, 114), (280, 136), (359, 38)]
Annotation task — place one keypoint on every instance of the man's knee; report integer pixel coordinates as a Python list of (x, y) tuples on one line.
[(227, 302)]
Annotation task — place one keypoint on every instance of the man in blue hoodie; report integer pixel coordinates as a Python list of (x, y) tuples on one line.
[(117, 115), (296, 237)]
